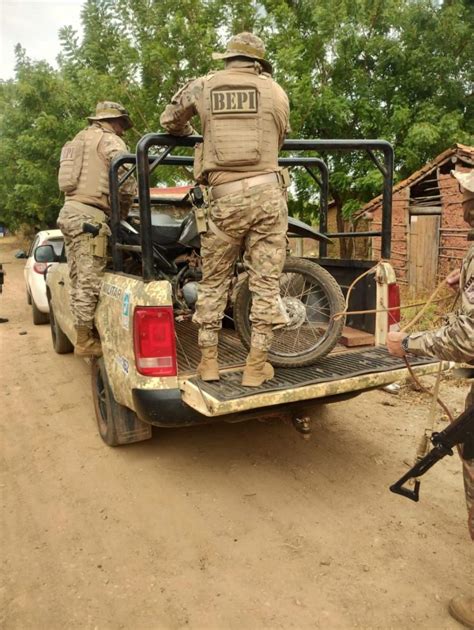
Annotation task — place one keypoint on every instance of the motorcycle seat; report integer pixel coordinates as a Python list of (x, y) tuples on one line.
[(166, 230)]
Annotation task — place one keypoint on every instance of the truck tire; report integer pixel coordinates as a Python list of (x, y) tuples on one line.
[(28, 297), (38, 316), (311, 296), (61, 343), (117, 424)]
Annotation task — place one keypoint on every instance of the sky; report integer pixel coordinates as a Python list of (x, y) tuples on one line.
[(35, 25)]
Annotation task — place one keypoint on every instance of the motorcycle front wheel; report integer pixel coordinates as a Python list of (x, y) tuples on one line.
[(311, 297)]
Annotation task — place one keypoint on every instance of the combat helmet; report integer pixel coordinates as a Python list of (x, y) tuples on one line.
[(105, 110), (246, 45)]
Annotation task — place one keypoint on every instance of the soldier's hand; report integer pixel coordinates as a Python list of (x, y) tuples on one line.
[(394, 343), (452, 279)]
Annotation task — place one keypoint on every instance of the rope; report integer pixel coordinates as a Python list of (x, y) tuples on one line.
[(340, 314), (418, 316)]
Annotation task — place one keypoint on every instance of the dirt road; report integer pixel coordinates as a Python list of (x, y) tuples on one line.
[(240, 526)]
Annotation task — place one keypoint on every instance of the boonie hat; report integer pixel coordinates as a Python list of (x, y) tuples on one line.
[(105, 110), (246, 45)]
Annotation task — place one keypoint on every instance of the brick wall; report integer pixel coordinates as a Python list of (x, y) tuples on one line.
[(453, 243)]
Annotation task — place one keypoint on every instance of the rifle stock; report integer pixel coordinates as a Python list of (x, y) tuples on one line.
[(461, 431)]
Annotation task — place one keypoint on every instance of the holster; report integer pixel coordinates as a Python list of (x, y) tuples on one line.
[(97, 239), (200, 215), (99, 245)]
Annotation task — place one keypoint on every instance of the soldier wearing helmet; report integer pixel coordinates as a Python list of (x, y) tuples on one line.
[(84, 178), (454, 342), (244, 116)]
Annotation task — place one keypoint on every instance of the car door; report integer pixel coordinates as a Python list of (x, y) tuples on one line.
[(58, 284), (28, 269)]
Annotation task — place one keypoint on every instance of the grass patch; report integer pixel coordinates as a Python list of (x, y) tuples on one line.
[(434, 315)]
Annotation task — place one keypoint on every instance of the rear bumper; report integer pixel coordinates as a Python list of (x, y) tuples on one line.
[(165, 408)]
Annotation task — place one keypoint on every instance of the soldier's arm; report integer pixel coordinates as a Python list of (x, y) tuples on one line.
[(452, 342), (455, 340), (112, 145), (176, 116)]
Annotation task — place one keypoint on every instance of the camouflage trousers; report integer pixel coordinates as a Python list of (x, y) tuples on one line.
[(85, 269), (468, 474), (258, 218)]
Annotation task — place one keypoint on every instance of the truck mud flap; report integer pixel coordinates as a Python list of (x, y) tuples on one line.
[(332, 376)]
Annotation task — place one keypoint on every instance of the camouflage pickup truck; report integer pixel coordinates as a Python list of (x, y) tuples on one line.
[(147, 375)]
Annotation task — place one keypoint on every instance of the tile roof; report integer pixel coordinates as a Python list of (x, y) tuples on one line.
[(463, 152)]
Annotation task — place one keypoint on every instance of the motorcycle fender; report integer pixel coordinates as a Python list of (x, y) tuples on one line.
[(298, 228)]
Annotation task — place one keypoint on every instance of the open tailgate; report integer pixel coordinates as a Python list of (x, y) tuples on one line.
[(338, 374)]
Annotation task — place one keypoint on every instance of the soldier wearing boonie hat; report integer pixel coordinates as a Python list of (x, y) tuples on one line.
[(246, 45), (244, 116), (107, 110), (454, 342), (84, 178)]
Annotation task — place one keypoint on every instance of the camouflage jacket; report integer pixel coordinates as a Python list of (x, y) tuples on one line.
[(455, 340)]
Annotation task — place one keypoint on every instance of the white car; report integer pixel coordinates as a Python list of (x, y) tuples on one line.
[(35, 274)]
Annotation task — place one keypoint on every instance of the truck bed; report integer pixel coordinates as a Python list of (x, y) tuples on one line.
[(344, 371), (232, 353)]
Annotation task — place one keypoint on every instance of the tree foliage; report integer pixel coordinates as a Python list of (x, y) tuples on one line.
[(394, 69)]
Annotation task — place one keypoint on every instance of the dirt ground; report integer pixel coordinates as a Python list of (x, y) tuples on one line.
[(224, 526)]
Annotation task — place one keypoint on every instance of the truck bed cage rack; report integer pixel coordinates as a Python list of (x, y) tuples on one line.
[(144, 164)]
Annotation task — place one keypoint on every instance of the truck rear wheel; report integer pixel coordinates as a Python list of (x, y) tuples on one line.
[(117, 424), (311, 297)]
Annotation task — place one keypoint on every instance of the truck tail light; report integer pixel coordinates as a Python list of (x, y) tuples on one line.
[(393, 303), (40, 267), (154, 340)]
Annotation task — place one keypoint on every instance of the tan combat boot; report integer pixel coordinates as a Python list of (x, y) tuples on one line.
[(462, 609), (257, 370), (87, 345), (208, 368)]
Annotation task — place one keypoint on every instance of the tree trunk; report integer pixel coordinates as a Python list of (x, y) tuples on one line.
[(346, 245)]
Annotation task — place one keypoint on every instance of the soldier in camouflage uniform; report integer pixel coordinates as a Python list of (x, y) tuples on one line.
[(244, 116), (454, 342), (83, 177)]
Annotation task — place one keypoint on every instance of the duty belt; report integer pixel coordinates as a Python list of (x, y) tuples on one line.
[(242, 185)]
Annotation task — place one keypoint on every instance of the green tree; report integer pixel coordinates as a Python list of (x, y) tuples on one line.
[(394, 69), (37, 114)]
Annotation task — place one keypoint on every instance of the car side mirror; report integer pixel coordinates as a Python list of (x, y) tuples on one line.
[(45, 254)]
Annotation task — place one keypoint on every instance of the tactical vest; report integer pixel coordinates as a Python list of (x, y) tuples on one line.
[(82, 171), (237, 115)]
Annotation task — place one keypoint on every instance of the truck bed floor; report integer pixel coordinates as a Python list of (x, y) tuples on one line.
[(232, 353)]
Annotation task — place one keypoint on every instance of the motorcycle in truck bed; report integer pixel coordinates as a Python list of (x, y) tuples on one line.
[(147, 375)]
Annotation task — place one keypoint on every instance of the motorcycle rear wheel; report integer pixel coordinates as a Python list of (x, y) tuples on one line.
[(311, 297)]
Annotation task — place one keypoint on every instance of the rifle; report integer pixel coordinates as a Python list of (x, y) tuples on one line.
[(461, 431)]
